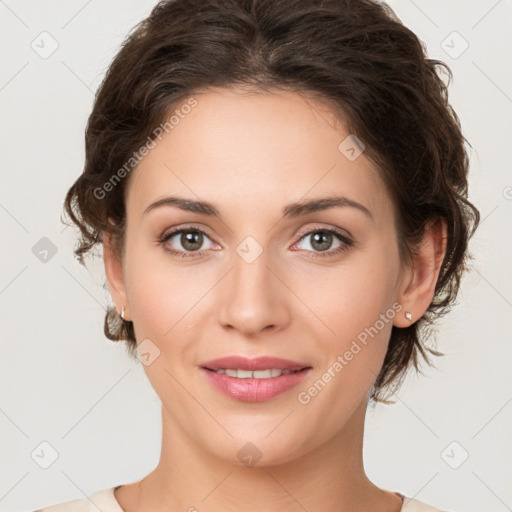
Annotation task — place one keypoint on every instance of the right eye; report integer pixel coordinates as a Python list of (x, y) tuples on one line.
[(191, 240)]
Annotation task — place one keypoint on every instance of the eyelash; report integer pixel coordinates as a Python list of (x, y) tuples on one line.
[(347, 242)]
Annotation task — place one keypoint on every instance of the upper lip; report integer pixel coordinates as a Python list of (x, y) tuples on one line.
[(258, 363)]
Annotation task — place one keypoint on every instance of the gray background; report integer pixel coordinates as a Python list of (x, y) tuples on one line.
[(64, 384)]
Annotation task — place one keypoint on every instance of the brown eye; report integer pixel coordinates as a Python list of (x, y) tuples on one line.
[(191, 241), (322, 240)]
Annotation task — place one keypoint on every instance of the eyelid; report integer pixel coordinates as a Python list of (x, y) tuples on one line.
[(187, 227), (323, 227), (300, 235), (172, 232)]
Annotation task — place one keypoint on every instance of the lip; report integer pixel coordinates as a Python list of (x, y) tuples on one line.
[(254, 390), (258, 363)]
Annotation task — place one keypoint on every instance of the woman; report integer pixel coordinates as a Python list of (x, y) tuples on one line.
[(280, 192)]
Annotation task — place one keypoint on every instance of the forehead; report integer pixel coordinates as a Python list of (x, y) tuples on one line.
[(255, 149)]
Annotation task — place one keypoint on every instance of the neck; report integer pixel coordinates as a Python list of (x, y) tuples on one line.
[(330, 478)]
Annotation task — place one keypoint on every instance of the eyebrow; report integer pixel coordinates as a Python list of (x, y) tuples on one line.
[(292, 210)]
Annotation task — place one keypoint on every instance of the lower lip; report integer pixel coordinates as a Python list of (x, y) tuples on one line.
[(255, 390)]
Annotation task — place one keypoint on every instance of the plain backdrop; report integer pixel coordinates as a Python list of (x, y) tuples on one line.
[(446, 441)]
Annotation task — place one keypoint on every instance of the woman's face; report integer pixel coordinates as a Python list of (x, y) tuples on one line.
[(263, 278)]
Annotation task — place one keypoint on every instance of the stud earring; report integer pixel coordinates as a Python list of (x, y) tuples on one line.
[(122, 312), (408, 316)]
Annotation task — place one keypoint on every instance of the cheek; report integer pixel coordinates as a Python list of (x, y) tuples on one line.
[(356, 303), (352, 297), (153, 292), (361, 315), (163, 296)]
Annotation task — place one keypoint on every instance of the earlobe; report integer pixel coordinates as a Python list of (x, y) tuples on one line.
[(115, 278), (421, 278)]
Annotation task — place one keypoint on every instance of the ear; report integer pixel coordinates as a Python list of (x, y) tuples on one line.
[(115, 278), (419, 281)]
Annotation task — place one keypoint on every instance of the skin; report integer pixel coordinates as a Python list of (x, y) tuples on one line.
[(251, 153)]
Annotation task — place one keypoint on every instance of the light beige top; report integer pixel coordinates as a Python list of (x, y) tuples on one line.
[(105, 501)]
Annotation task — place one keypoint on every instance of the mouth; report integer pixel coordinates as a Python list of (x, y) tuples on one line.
[(254, 380), (269, 373), (258, 364)]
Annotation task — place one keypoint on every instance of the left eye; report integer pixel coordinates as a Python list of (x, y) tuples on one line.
[(322, 240)]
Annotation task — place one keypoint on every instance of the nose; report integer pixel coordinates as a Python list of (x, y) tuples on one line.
[(253, 297)]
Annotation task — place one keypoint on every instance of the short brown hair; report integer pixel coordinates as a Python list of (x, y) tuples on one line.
[(354, 54)]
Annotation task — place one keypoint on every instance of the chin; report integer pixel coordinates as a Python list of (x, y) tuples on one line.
[(258, 449)]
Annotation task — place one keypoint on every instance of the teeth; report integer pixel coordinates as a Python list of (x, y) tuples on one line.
[(257, 374)]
